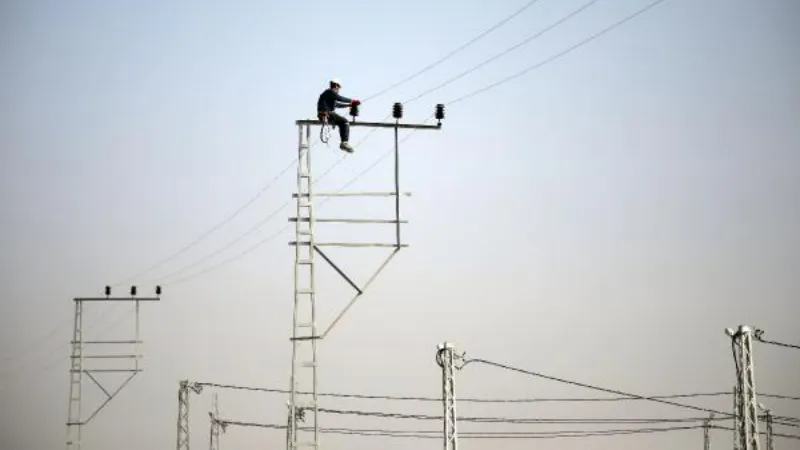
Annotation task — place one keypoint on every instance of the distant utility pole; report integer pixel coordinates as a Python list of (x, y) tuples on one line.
[(768, 420), (216, 426), (447, 359), (706, 432), (303, 407), (184, 386), (78, 368), (742, 341)]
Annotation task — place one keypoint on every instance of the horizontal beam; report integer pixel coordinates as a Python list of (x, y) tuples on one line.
[(416, 126), (106, 370), (306, 219), (353, 194), (106, 356), (349, 244), (117, 299), (106, 342)]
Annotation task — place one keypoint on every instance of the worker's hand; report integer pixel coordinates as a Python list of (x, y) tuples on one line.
[(355, 102)]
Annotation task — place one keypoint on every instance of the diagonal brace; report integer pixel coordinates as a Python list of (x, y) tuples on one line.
[(339, 271), (109, 396), (361, 292)]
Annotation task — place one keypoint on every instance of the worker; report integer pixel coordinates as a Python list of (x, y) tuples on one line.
[(328, 101)]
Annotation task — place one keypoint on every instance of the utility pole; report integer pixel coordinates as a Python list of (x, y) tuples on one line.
[(742, 341), (78, 361), (447, 360), (216, 426), (768, 420), (183, 411), (304, 407), (706, 432)]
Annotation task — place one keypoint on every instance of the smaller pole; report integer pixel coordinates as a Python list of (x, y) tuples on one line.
[(446, 360), (706, 432), (768, 419), (215, 426)]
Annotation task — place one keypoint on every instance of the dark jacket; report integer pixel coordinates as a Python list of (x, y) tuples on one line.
[(329, 101)]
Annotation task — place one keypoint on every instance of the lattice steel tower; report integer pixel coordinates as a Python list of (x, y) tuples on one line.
[(303, 400), (447, 359), (184, 388), (742, 342)]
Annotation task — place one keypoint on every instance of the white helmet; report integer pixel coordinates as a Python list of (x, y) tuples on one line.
[(336, 82)]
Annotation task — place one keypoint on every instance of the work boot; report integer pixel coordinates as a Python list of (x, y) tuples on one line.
[(346, 147)]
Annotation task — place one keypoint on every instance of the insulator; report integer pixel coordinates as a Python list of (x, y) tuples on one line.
[(108, 291), (133, 291), (439, 111), (397, 111), (158, 290), (354, 110)]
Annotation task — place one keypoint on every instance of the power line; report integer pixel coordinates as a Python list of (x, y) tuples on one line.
[(504, 52), (556, 56), (592, 387), (487, 400), (779, 397), (456, 51), (208, 232), (269, 238), (247, 251), (436, 434), (518, 420), (786, 436), (759, 335)]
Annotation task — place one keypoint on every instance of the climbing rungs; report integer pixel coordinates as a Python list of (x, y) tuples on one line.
[(308, 219), (304, 291), (305, 262), (305, 338), (307, 364), (352, 194), (349, 244)]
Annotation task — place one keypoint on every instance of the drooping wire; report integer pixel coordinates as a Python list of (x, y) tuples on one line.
[(538, 65), (557, 55), (436, 434), (214, 228), (759, 335), (504, 52), (454, 52), (269, 238), (519, 420), (487, 400), (589, 386)]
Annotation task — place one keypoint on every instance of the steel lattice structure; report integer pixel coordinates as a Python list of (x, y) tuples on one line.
[(305, 331), (184, 389), (747, 405), (447, 359), (78, 362)]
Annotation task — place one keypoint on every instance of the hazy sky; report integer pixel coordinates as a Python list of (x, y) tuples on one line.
[(602, 218)]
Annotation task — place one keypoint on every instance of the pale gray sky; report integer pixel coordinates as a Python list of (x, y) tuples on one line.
[(602, 218)]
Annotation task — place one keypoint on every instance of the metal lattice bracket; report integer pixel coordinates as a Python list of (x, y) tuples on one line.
[(78, 360)]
